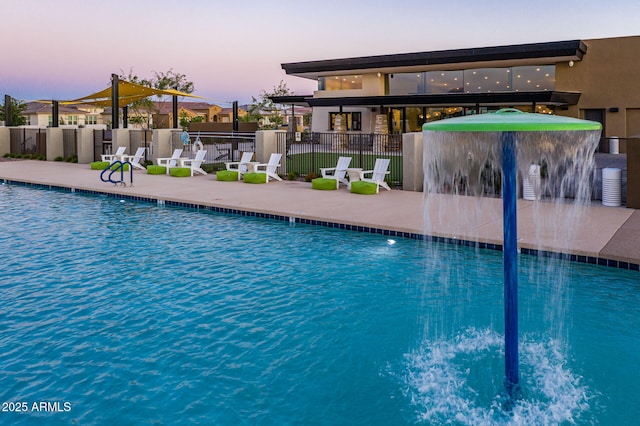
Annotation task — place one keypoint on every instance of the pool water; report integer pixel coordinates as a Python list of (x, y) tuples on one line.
[(127, 313)]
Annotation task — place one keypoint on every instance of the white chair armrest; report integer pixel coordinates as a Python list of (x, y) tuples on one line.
[(265, 165), (324, 170)]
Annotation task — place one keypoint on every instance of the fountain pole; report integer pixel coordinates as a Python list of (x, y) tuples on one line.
[(510, 252), (507, 122)]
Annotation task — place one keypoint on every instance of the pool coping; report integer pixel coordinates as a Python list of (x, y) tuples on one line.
[(572, 257)]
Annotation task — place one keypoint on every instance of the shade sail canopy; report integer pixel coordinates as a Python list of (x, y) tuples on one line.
[(127, 93), (511, 120)]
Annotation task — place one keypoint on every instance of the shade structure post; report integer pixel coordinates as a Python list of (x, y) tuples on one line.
[(7, 111), (115, 98), (176, 122), (510, 252), (55, 114), (235, 116)]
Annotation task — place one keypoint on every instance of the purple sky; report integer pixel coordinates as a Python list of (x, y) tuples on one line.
[(66, 49)]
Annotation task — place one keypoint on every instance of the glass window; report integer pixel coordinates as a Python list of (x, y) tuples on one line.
[(356, 121), (487, 80), (534, 78), (406, 83), (91, 119), (413, 119), (72, 119), (349, 121), (340, 82), (444, 82), (479, 80)]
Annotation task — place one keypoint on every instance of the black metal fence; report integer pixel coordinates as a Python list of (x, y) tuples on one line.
[(69, 143), (27, 141), (101, 143), (221, 147), (308, 152)]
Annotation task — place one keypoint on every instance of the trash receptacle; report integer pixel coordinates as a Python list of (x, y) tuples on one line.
[(614, 145), (611, 187), (531, 184)]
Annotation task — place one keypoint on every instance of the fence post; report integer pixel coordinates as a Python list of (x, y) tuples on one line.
[(633, 173), (85, 145), (412, 162), (5, 140), (161, 144), (55, 143)]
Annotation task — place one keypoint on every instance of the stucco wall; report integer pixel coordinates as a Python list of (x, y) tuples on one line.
[(607, 77)]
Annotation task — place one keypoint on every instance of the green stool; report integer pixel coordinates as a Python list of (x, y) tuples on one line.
[(156, 170), (324, 184), (227, 175), (99, 165), (180, 171), (362, 187), (255, 178), (119, 167)]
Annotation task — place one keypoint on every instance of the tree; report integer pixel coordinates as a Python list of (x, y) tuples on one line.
[(265, 111), (17, 107), (161, 81)]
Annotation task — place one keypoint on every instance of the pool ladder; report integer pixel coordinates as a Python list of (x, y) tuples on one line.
[(119, 168)]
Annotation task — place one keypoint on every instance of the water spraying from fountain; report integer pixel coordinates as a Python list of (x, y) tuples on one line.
[(483, 155)]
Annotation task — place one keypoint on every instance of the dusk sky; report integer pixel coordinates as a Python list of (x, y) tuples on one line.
[(232, 50)]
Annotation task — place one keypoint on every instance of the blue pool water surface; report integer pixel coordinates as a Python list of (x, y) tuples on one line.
[(123, 312)]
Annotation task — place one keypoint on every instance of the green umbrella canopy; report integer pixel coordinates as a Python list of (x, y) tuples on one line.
[(511, 120)]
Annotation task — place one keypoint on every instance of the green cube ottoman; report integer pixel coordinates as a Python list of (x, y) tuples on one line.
[(324, 184), (180, 171), (227, 175), (362, 187), (255, 178), (119, 167), (99, 165), (156, 170)]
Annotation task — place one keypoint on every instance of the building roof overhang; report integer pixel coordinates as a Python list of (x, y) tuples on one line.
[(555, 98), (499, 56)]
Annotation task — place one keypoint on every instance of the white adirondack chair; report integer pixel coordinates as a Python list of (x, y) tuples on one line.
[(270, 167), (172, 161), (380, 170), (195, 164), (135, 159), (112, 157), (241, 166), (338, 172)]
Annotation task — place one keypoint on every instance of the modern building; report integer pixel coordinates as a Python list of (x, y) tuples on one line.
[(590, 79)]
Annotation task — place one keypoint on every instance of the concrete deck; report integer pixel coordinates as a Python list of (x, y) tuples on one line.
[(606, 235)]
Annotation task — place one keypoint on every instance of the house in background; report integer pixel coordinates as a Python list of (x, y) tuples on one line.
[(210, 113), (40, 114), (590, 79)]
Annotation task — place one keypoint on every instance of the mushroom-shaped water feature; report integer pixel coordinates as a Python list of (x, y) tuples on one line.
[(456, 148)]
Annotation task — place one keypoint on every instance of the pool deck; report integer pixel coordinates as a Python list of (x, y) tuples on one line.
[(597, 234)]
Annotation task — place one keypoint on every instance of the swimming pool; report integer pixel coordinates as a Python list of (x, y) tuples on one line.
[(125, 312)]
